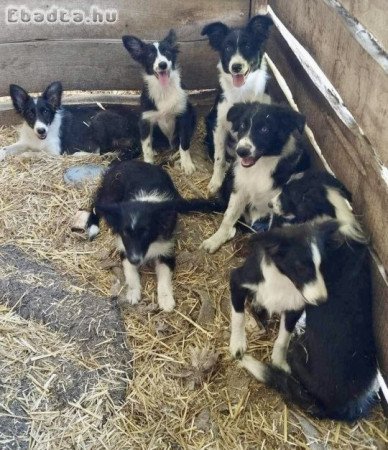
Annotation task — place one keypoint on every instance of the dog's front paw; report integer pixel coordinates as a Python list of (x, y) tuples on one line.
[(278, 359), (214, 184), (220, 237), (133, 295), (166, 300), (238, 346), (212, 244), (188, 166)]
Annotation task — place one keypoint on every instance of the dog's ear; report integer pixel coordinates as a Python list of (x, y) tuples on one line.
[(300, 121), (235, 114), (171, 38), (112, 213), (292, 120), (216, 32), (19, 97), (259, 26), (135, 47), (53, 94)]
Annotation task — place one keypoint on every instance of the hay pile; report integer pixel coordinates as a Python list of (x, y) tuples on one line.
[(186, 391)]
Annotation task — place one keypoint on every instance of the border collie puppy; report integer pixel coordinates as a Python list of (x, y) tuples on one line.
[(267, 156), (330, 370), (316, 195), (140, 203), (55, 129), (242, 78), (164, 103)]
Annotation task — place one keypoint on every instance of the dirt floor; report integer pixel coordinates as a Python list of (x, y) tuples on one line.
[(186, 391)]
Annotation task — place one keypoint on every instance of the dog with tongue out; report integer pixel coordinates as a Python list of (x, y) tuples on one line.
[(242, 77), (168, 119)]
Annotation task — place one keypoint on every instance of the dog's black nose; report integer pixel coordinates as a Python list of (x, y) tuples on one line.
[(135, 260), (236, 68), (270, 205), (41, 131), (163, 65), (243, 152)]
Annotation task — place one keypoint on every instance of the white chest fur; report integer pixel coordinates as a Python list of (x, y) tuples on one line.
[(52, 143), (256, 183), (276, 293), (251, 91), (169, 100)]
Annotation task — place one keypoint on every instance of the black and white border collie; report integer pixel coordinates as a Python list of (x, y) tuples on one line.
[(316, 195), (55, 129), (140, 204), (164, 102), (267, 156), (242, 78), (330, 370)]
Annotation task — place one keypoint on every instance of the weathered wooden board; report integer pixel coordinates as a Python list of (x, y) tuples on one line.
[(361, 81), (373, 15), (350, 159), (202, 100), (148, 19), (94, 65)]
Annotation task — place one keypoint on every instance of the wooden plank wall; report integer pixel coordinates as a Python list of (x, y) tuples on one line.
[(348, 152), (372, 14), (92, 57)]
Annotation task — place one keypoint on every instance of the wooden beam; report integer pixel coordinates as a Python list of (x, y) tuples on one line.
[(95, 65), (372, 14), (200, 99), (358, 72)]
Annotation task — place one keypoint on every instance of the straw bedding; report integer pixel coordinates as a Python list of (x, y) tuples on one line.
[(186, 392)]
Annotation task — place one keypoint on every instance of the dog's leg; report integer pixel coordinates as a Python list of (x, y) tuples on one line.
[(227, 230), (288, 321), (13, 150), (238, 340), (132, 279), (146, 140), (219, 137), (164, 270), (186, 127)]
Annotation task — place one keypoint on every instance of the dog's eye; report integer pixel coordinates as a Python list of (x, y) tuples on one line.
[(264, 130), (229, 48)]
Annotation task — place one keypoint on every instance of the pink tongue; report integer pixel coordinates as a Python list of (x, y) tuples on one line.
[(238, 80), (248, 161), (163, 78)]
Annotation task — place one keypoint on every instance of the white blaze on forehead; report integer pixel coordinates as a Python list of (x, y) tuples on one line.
[(245, 142), (39, 124), (315, 291), (160, 58), (237, 58), (153, 196)]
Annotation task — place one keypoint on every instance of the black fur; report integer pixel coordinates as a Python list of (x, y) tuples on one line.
[(333, 364), (118, 201), (269, 127), (185, 122), (249, 42), (83, 128), (306, 198)]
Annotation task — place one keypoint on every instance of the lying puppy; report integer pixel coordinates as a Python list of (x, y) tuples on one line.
[(331, 369), (267, 156), (55, 129), (165, 107), (316, 195), (242, 77), (140, 204)]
